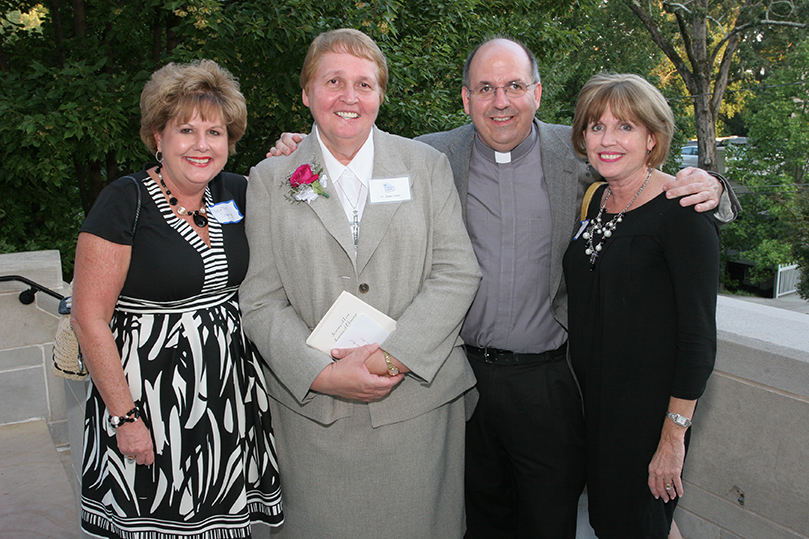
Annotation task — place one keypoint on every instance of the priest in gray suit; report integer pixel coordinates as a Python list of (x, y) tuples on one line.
[(521, 187)]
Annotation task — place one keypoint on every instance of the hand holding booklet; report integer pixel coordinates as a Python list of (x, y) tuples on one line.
[(349, 323)]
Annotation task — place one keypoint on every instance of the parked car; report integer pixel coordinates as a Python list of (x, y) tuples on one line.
[(689, 156)]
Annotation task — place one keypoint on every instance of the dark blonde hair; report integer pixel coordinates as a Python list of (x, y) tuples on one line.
[(629, 98), (177, 91), (345, 40)]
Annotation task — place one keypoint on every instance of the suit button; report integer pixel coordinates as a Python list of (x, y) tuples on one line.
[(364, 288)]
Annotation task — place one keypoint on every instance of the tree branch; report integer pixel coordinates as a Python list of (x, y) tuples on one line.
[(660, 40)]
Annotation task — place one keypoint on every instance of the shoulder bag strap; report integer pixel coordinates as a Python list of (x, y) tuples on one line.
[(588, 197), (137, 208)]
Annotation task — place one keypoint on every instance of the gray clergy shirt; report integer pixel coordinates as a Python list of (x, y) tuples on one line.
[(509, 222)]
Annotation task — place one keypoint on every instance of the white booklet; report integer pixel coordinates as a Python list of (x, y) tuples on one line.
[(349, 323)]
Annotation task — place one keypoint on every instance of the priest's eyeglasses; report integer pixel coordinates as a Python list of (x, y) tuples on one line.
[(485, 92)]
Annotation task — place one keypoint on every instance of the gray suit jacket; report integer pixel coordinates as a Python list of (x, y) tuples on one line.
[(567, 177), (415, 258)]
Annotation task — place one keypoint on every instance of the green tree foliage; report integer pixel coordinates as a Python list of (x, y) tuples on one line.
[(72, 73), (603, 31), (701, 38), (772, 169)]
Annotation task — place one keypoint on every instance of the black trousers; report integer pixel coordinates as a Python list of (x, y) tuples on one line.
[(525, 462)]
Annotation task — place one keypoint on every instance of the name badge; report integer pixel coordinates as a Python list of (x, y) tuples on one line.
[(390, 190), (226, 212), (581, 229)]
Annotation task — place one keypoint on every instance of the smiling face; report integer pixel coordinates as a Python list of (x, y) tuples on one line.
[(503, 122), (193, 151), (344, 97), (618, 149)]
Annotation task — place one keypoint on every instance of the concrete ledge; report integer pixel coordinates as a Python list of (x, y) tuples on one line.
[(746, 473)]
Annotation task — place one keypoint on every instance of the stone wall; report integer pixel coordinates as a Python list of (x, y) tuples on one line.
[(28, 389), (748, 466)]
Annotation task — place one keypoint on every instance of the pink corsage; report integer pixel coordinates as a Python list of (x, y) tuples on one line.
[(305, 184)]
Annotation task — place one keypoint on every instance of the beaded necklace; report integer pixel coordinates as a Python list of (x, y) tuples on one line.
[(606, 229), (198, 216)]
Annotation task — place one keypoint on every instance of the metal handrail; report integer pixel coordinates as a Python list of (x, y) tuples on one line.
[(27, 296)]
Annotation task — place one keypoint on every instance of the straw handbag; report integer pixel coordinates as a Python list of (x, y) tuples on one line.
[(67, 360)]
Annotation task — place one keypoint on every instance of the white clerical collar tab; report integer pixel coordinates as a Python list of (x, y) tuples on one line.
[(502, 158)]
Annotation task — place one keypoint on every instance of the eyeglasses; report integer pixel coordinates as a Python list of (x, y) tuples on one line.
[(485, 92)]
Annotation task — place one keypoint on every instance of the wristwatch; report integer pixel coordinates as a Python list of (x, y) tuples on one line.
[(678, 419), (393, 370), (130, 417)]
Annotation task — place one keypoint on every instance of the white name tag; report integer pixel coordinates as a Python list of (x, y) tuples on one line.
[(226, 212), (581, 229), (390, 190)]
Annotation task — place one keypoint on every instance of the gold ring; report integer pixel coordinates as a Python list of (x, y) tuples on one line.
[(668, 486), (130, 458)]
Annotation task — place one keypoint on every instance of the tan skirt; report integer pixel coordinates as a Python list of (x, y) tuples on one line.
[(348, 480)]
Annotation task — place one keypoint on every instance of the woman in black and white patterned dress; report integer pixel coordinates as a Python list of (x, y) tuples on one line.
[(178, 437)]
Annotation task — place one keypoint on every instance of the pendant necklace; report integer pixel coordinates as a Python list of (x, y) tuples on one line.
[(606, 230), (198, 216), (355, 223)]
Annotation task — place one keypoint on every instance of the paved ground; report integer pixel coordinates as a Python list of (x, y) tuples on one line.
[(36, 499), (792, 302)]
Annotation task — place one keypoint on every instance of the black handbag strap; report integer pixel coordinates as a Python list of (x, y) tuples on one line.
[(137, 208)]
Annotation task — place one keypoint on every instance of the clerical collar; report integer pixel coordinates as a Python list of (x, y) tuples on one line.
[(501, 158)]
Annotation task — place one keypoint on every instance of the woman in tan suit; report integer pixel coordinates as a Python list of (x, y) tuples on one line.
[(370, 442)]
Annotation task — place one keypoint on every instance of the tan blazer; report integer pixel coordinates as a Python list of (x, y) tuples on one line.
[(415, 263)]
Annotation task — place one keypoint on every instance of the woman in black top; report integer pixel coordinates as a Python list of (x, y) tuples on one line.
[(642, 280), (178, 436)]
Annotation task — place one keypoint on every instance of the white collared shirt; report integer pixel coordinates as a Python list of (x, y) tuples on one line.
[(362, 165)]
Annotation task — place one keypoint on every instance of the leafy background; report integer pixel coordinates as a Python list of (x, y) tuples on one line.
[(72, 72)]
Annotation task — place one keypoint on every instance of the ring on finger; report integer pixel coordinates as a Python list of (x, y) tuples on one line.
[(668, 486), (130, 458)]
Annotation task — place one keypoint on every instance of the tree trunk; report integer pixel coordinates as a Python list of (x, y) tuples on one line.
[(79, 20), (3, 61), (95, 183), (157, 37), (112, 167), (172, 39), (57, 31), (705, 122)]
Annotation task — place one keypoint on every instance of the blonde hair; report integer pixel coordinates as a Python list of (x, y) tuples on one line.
[(345, 40), (177, 91), (629, 98)]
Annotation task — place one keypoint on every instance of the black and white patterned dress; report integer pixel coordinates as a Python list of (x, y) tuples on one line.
[(198, 379)]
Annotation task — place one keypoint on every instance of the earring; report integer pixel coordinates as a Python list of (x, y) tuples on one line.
[(159, 156)]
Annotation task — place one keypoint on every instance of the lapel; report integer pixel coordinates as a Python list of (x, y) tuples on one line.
[(459, 152), (560, 172), (328, 210), (377, 217)]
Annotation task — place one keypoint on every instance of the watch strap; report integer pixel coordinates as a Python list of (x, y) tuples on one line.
[(678, 419), (393, 370)]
